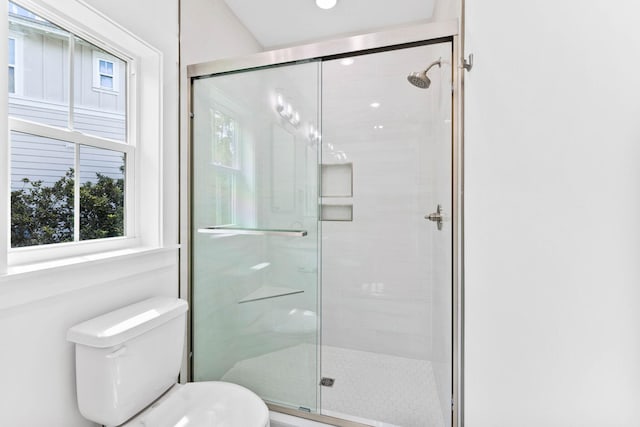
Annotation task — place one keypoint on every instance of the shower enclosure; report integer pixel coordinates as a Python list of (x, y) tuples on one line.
[(322, 229)]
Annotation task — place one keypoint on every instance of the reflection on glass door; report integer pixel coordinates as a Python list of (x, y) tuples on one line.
[(255, 232)]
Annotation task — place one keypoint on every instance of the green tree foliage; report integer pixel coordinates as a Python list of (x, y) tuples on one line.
[(102, 208), (44, 214)]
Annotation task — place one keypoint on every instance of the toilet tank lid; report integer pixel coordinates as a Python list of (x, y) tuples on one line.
[(118, 326)]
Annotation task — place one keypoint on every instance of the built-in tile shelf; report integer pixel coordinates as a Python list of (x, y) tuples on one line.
[(337, 180), (337, 192), (266, 292), (336, 212)]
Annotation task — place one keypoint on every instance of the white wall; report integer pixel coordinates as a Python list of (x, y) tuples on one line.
[(38, 384), (209, 31), (38, 364), (445, 10), (552, 208)]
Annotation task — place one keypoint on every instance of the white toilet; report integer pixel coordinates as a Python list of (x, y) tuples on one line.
[(127, 363)]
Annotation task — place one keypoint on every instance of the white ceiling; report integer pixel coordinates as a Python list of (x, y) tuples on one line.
[(285, 22)]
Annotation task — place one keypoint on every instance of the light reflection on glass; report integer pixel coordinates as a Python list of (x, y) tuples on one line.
[(261, 266), (182, 422), (374, 289)]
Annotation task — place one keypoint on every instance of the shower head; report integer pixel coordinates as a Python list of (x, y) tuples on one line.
[(420, 79)]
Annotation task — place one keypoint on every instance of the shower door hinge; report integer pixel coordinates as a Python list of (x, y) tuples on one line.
[(453, 405), (467, 64), (191, 115)]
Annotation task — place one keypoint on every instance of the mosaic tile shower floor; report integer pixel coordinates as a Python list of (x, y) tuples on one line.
[(376, 389)]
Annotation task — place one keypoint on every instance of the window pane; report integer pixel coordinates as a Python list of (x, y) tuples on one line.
[(106, 82), (12, 80), (44, 71), (224, 199), (106, 67), (20, 11), (42, 184), (12, 51), (101, 193), (98, 112), (224, 131)]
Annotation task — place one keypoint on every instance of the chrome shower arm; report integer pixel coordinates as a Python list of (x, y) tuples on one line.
[(433, 64)]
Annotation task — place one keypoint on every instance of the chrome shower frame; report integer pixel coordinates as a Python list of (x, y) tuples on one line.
[(424, 34)]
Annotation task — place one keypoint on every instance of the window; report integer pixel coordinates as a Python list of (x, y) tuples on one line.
[(17, 10), (12, 65), (224, 149), (73, 152), (225, 139), (106, 72), (66, 187)]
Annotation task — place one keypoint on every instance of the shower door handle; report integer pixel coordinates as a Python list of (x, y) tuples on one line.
[(252, 231), (436, 217)]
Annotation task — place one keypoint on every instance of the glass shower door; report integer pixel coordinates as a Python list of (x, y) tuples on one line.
[(255, 232), (386, 268)]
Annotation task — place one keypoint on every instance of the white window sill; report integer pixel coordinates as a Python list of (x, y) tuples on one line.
[(101, 89), (28, 283), (82, 259)]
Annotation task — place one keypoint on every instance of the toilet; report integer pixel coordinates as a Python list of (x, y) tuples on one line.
[(127, 364)]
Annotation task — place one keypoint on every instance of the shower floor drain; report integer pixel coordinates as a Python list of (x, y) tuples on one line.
[(327, 382)]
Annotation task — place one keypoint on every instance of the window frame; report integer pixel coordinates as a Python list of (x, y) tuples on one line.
[(144, 123), (29, 254)]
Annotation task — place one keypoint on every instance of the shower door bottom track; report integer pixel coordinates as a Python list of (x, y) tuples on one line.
[(332, 421)]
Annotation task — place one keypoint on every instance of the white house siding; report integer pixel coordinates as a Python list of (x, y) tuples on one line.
[(88, 97)]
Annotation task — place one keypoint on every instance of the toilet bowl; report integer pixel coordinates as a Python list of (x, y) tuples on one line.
[(211, 403), (127, 364)]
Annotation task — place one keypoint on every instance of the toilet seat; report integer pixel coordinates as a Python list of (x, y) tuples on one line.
[(200, 404)]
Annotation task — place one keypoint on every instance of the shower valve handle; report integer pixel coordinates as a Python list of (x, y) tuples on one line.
[(436, 217)]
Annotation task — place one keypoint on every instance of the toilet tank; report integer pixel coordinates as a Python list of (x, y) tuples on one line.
[(127, 358)]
